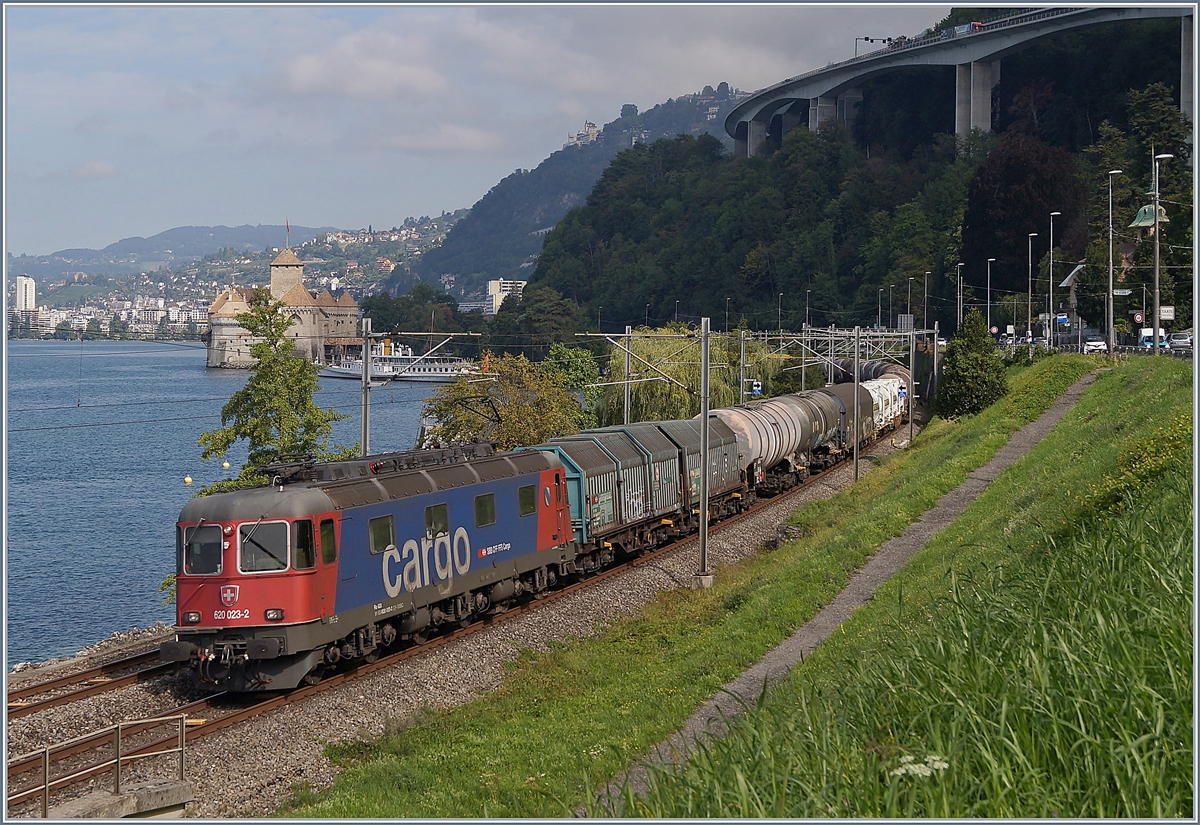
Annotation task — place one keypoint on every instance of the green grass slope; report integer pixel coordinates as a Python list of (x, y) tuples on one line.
[(569, 719)]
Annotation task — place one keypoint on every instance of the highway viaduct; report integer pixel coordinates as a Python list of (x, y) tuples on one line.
[(834, 91)]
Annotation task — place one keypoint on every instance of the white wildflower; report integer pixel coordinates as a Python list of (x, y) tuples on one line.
[(936, 762)]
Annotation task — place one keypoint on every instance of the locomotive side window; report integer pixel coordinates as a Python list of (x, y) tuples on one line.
[(200, 549), (557, 489), (263, 547), (485, 510), (527, 500), (437, 521), (304, 550), (381, 532), (547, 496), (328, 542)]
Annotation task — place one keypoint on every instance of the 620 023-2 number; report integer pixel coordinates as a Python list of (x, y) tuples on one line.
[(231, 614)]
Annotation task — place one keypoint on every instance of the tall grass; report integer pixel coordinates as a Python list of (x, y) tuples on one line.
[(1054, 681)]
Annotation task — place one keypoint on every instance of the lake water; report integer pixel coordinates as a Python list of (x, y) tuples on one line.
[(100, 435)]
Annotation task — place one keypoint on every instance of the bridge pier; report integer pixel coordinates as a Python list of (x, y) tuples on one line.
[(820, 108), (973, 84)]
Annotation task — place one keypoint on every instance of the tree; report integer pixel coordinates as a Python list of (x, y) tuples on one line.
[(274, 411), (629, 110), (514, 405), (576, 369), (972, 375)]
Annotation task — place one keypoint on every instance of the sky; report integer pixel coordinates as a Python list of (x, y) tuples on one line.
[(122, 121)]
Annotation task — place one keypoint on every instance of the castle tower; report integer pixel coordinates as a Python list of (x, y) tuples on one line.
[(286, 271)]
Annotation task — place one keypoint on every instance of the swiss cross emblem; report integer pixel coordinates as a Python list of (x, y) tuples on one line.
[(229, 594)]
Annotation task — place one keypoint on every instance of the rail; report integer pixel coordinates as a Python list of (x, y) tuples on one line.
[(114, 764)]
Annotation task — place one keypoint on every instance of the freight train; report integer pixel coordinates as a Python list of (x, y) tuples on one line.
[(333, 562)]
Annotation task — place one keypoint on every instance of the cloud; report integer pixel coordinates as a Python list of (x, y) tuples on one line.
[(91, 125), (370, 65), (93, 170), (222, 136), (181, 100), (447, 138)]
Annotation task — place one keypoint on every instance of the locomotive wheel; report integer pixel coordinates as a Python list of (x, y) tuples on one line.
[(420, 637), (371, 656), (314, 676)]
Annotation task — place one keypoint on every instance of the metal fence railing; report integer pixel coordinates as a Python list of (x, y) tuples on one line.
[(113, 765)]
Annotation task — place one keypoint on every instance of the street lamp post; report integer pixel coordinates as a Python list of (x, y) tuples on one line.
[(989, 296), (1029, 316), (1051, 321), (779, 318), (925, 304), (598, 311), (647, 316), (879, 311), (1112, 340), (804, 347), (726, 315), (958, 269), (1157, 320), (891, 323), (910, 280)]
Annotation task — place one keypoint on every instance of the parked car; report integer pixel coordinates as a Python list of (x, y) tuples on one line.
[(1039, 342), (1146, 338), (1179, 340), (1094, 343)]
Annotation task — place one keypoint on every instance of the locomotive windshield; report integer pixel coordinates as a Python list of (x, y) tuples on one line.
[(263, 547), (200, 549)]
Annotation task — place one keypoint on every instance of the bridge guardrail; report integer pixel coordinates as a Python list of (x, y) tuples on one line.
[(1015, 19)]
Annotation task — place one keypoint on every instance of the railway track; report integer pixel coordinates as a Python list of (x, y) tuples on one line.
[(63, 690), (84, 759)]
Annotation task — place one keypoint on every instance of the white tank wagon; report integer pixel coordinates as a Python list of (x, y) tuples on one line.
[(843, 370), (782, 439)]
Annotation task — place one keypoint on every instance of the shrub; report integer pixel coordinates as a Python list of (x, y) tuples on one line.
[(972, 375)]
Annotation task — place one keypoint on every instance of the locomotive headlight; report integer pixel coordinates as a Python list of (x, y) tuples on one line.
[(228, 530), (191, 617), (274, 614)]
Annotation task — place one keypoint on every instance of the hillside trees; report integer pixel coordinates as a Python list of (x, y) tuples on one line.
[(1012, 194)]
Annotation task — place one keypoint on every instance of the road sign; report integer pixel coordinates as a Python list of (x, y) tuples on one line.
[(1166, 313), (1043, 316), (1137, 317), (995, 330), (904, 322), (1121, 293), (756, 388), (1062, 317), (903, 393)]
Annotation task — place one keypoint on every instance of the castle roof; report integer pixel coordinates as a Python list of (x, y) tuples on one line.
[(287, 258), (298, 296), (346, 300), (233, 301)]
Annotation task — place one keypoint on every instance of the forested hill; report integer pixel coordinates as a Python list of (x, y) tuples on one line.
[(843, 221), (503, 234)]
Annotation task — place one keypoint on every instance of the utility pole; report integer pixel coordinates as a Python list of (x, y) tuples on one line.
[(366, 386), (1112, 339), (958, 268), (703, 578), (742, 370), (854, 436), (628, 386), (1051, 321), (1157, 307), (1029, 309)]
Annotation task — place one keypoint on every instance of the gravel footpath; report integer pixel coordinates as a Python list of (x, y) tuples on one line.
[(251, 769)]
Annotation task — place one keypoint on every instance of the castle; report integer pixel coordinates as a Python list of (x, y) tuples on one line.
[(316, 318)]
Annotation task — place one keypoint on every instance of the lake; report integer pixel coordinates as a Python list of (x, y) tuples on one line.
[(99, 437)]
